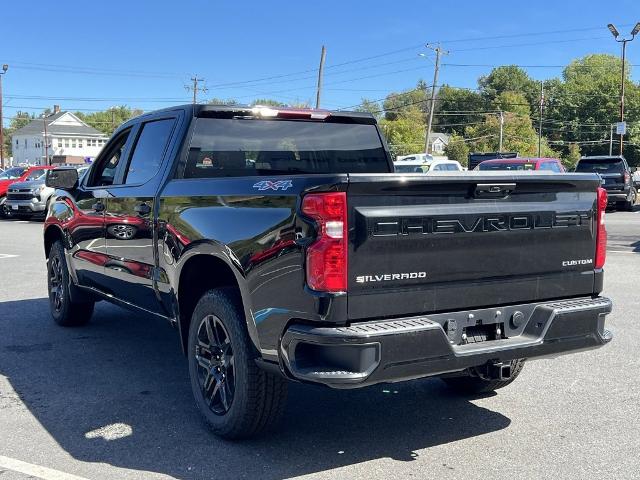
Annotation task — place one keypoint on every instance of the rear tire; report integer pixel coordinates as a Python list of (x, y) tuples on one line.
[(628, 206), (236, 398), (473, 385), (65, 311)]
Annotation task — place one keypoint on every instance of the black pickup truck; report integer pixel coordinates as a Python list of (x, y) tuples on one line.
[(281, 247)]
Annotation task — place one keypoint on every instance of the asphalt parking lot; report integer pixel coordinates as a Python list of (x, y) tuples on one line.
[(112, 401)]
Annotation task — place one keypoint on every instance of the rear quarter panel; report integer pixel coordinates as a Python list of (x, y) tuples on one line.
[(258, 233)]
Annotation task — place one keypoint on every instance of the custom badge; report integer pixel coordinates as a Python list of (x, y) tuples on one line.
[(273, 185)]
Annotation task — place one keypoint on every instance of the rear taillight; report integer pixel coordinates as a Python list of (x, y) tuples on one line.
[(327, 255), (601, 231), (627, 178)]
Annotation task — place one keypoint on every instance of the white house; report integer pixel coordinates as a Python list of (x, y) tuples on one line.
[(438, 142), (69, 139)]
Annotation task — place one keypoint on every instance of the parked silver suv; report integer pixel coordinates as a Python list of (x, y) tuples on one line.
[(32, 197)]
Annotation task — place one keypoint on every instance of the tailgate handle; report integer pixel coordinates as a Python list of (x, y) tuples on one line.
[(494, 190)]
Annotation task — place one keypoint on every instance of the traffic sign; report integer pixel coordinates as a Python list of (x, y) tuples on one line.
[(621, 128)]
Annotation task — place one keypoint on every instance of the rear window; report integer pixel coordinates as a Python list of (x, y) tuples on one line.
[(246, 147), (507, 166), (610, 165)]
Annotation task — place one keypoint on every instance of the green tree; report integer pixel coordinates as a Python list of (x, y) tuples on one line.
[(405, 134), (510, 78), (221, 101), (18, 121), (407, 102), (455, 107), (457, 149), (108, 120), (519, 135), (267, 102), (587, 102), (571, 158), (370, 106)]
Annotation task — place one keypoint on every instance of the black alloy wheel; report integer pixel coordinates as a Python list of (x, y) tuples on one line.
[(214, 356), (56, 284)]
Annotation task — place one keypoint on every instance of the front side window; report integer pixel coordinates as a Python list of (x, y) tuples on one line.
[(35, 174), (149, 150), (248, 147), (105, 171)]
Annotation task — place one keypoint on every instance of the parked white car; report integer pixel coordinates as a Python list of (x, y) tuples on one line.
[(420, 166), (421, 157)]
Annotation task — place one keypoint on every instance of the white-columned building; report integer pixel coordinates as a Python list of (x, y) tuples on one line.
[(70, 140)]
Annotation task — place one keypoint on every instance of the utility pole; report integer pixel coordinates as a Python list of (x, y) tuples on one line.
[(624, 49), (439, 52), (195, 88), (323, 54), (501, 128), (113, 119), (5, 67), (624, 42), (540, 119)]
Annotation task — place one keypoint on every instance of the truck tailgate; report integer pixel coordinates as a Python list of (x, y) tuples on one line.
[(420, 244)]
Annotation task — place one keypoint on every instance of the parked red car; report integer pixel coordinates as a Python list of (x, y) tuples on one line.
[(551, 164), (13, 175)]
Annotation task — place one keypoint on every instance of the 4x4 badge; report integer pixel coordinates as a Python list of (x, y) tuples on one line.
[(273, 185)]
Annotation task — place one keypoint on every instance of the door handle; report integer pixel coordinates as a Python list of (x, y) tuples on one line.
[(142, 209), (98, 206), (493, 190)]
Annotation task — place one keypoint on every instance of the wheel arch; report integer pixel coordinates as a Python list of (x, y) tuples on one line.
[(205, 267), (52, 233)]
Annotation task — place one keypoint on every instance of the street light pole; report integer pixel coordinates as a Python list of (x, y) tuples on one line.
[(624, 41), (5, 67)]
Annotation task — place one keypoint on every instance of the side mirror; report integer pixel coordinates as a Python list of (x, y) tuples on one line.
[(63, 178)]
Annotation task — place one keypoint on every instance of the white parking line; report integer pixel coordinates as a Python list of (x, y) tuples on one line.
[(36, 470), (7, 255)]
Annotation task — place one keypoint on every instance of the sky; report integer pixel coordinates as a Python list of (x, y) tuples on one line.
[(93, 55)]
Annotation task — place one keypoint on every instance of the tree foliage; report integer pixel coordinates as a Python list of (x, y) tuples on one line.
[(20, 120), (370, 106), (108, 120), (457, 149)]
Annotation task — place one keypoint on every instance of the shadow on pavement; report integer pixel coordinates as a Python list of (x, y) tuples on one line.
[(128, 369)]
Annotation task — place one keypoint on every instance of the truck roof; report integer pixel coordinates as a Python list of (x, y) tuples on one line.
[(227, 111)]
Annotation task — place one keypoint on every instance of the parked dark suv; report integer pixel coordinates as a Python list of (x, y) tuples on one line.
[(616, 176)]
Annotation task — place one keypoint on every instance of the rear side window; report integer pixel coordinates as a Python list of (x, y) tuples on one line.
[(553, 166), (609, 165), (149, 150), (246, 147)]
